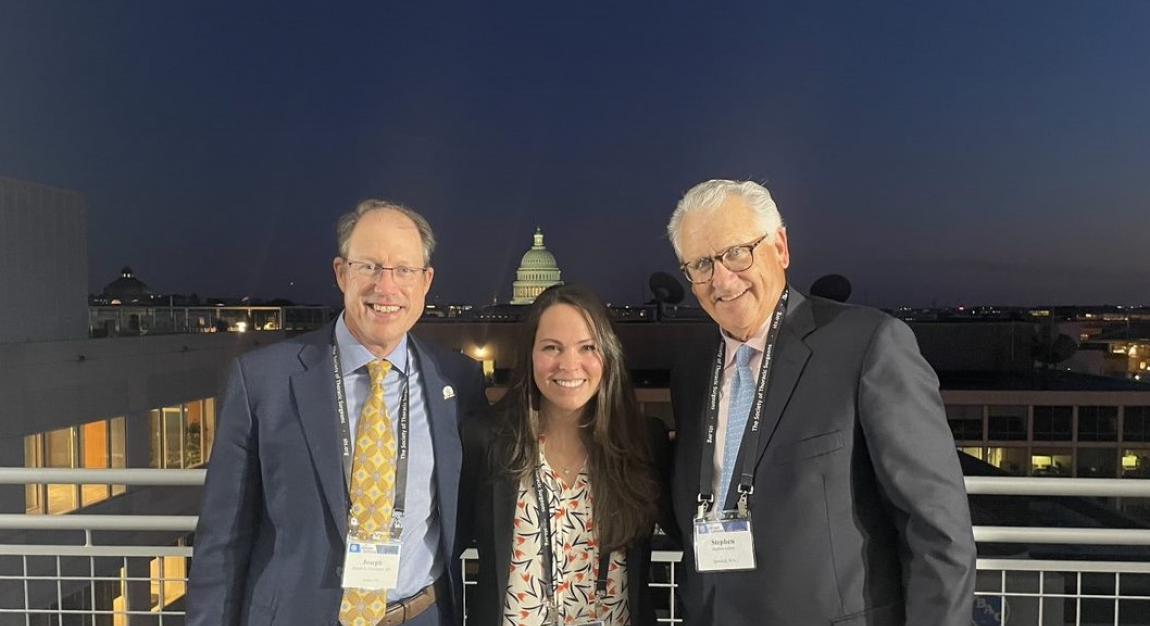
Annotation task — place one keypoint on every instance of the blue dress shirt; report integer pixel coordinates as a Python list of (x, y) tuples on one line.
[(418, 565)]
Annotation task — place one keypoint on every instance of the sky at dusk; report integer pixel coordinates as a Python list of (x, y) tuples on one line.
[(993, 151)]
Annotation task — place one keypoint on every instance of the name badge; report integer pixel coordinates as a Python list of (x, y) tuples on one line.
[(371, 565), (724, 545)]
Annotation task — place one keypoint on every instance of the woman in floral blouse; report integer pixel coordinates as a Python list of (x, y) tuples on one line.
[(567, 481)]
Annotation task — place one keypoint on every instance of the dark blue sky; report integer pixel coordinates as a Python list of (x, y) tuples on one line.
[(951, 152)]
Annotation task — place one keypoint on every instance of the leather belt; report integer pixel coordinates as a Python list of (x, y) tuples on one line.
[(409, 608)]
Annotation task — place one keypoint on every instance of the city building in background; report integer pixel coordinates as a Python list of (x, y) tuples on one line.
[(43, 262), (69, 400), (537, 271)]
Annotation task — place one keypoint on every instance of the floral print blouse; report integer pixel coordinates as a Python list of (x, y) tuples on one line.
[(576, 558)]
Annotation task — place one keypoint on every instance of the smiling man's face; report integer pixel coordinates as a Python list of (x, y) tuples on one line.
[(380, 311), (740, 302)]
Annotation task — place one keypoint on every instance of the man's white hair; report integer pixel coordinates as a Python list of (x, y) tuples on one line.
[(709, 195)]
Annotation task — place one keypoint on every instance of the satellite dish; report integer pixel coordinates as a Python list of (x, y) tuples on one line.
[(832, 287), (666, 288)]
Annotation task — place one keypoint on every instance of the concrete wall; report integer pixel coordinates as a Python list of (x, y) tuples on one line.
[(43, 263), (49, 385)]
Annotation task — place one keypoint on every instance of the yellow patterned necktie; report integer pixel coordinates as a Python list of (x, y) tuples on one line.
[(372, 492)]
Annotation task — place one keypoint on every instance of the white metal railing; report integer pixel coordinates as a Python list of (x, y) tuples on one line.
[(1011, 590)]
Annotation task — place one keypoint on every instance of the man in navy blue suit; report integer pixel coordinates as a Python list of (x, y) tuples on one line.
[(271, 540)]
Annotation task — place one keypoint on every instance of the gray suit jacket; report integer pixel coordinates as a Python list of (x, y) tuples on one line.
[(270, 540), (859, 512)]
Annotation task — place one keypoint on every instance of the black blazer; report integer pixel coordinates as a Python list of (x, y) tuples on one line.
[(489, 496), (859, 513)]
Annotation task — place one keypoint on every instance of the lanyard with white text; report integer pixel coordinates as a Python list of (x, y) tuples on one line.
[(549, 584), (402, 439), (750, 441)]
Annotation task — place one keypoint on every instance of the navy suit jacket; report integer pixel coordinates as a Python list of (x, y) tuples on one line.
[(859, 512), (270, 540)]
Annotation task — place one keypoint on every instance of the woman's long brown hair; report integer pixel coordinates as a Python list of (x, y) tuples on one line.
[(619, 459)]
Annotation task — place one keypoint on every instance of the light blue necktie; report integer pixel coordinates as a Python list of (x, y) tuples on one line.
[(742, 395)]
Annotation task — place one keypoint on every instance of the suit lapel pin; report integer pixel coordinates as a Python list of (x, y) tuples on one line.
[(448, 392)]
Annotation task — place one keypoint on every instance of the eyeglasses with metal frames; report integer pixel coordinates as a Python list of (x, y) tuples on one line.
[(736, 259), (401, 274)]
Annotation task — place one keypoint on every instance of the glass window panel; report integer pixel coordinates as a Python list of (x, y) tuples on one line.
[(1136, 463), (964, 411), (61, 452), (34, 457), (169, 580), (1012, 460), (193, 440), (1136, 423), (94, 455), (965, 421), (1053, 423), (173, 437), (117, 446), (975, 451), (1097, 462), (156, 436), (94, 442), (209, 426), (62, 448), (62, 499), (1098, 423), (1052, 462), (1007, 423)]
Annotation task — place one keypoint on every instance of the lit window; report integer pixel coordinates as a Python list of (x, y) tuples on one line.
[(34, 457), (1052, 462), (117, 450), (169, 580), (182, 435), (1136, 463), (94, 455), (62, 453)]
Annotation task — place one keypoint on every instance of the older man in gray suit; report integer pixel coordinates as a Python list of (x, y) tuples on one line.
[(816, 480), (337, 444)]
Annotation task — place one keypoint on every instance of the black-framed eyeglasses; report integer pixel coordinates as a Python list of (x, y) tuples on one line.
[(401, 274), (735, 259)]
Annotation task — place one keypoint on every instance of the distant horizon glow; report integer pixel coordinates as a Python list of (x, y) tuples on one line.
[(935, 154)]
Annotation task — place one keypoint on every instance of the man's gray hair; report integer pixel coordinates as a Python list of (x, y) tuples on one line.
[(348, 220), (707, 196)]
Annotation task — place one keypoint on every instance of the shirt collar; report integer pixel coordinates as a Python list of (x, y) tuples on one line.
[(353, 355), (757, 341)]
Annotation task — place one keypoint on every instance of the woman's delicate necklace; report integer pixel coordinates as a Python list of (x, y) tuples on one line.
[(565, 470)]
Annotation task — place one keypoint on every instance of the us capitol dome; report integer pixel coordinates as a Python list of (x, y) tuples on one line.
[(537, 271)]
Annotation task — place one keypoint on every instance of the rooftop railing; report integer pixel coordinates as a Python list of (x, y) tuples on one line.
[(74, 575)]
